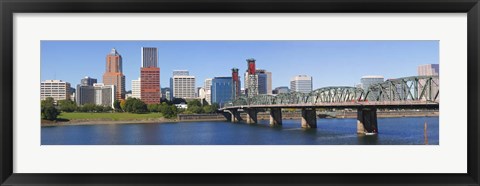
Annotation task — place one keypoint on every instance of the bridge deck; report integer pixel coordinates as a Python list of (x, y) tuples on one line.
[(377, 104)]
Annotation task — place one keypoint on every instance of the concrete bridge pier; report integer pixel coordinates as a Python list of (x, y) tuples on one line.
[(367, 120), (309, 118), (275, 116), (251, 116), (232, 115)]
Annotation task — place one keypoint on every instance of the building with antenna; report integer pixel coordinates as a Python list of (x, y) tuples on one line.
[(114, 73)]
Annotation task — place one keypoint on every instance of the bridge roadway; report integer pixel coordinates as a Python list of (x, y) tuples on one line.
[(366, 112)]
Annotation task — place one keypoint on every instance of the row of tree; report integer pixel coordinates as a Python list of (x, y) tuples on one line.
[(50, 111)]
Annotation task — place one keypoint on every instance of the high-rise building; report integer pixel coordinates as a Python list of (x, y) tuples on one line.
[(201, 93), (221, 90), (197, 92), (72, 93), (367, 81), (251, 78), (114, 73), (136, 90), (182, 85), (85, 94), (208, 90), (149, 57), (104, 94), (301, 83), (98, 94), (56, 89), (150, 85), (280, 90), (88, 81), (150, 92), (236, 90), (264, 81), (429, 70), (269, 82)]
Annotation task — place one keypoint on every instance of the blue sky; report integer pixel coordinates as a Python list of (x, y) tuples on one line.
[(330, 63)]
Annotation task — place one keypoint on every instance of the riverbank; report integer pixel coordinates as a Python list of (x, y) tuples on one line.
[(66, 119), (46, 123)]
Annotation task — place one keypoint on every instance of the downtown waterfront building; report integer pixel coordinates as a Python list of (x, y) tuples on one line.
[(136, 88), (263, 83), (207, 86), (114, 73), (428, 70), (149, 57), (301, 83), (367, 81), (182, 85), (98, 94), (88, 81), (56, 89), (221, 90), (150, 92)]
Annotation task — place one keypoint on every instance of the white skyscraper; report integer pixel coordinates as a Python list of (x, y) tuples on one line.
[(136, 88), (301, 83), (183, 85), (56, 89), (207, 88)]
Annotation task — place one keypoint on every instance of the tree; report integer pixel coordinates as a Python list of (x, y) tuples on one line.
[(135, 105), (67, 105), (215, 107), (153, 107), (194, 102), (48, 109), (170, 111), (208, 109), (123, 104), (88, 107), (116, 106)]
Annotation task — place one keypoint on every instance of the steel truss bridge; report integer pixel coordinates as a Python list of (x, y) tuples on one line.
[(415, 90), (406, 92)]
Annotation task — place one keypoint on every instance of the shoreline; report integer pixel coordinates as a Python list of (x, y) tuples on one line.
[(45, 123)]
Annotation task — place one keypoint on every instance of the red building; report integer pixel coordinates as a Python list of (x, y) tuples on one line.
[(113, 74), (150, 85), (235, 84)]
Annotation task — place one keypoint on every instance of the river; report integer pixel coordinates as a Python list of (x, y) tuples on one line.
[(392, 131)]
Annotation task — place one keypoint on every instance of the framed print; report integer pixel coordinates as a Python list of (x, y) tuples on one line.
[(239, 93)]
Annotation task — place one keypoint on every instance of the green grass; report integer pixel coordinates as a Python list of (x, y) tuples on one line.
[(109, 116)]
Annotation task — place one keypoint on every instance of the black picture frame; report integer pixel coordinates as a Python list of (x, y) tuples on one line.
[(9, 7)]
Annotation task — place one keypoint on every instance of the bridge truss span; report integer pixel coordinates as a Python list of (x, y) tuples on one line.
[(413, 91)]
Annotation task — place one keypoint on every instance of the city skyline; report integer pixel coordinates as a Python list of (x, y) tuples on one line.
[(330, 63)]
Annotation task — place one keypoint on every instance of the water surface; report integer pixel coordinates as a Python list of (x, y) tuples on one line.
[(392, 131)]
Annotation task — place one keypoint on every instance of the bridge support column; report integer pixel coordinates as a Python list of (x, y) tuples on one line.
[(275, 116), (309, 118), (251, 116), (235, 116), (367, 120)]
